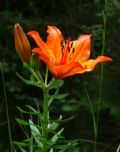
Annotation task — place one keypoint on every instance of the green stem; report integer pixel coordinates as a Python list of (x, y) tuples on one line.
[(102, 67), (46, 76), (8, 120), (45, 112), (94, 119), (45, 121)]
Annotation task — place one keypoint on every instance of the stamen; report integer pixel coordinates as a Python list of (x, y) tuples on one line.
[(69, 49), (65, 50), (61, 43), (65, 42), (71, 44), (62, 47), (73, 49)]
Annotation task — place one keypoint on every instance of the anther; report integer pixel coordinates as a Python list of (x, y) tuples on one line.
[(71, 44), (69, 49), (61, 43), (62, 47), (73, 50)]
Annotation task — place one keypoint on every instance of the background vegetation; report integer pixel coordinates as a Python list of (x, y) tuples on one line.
[(73, 17)]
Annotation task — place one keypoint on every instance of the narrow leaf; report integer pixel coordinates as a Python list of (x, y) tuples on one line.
[(28, 82)]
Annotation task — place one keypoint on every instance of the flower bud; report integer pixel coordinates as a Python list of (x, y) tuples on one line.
[(22, 44), (35, 62)]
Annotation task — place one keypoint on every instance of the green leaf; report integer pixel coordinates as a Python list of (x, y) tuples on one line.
[(34, 130), (57, 136), (65, 120), (29, 82), (59, 96), (22, 150), (51, 150), (35, 112), (54, 125), (22, 122), (31, 108), (31, 113), (35, 133), (66, 144), (28, 140), (20, 144), (57, 84)]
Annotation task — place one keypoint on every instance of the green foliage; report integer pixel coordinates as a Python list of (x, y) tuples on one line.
[(34, 138)]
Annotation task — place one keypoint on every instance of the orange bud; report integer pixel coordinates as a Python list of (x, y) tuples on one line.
[(22, 44)]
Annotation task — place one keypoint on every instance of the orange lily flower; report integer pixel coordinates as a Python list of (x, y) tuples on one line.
[(65, 58)]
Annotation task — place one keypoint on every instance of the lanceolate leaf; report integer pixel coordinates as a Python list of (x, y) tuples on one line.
[(22, 122), (35, 134), (20, 144), (57, 136), (29, 82), (32, 113)]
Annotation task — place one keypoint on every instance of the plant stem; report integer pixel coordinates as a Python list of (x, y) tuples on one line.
[(45, 112), (94, 119), (102, 68), (45, 121), (46, 76), (6, 105)]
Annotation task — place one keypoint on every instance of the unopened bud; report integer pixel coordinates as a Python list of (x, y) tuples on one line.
[(22, 44)]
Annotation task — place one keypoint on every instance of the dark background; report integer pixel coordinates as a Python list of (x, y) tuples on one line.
[(73, 17)]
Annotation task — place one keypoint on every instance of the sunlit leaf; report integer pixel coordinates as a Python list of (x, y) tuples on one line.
[(57, 136), (22, 122), (36, 134)]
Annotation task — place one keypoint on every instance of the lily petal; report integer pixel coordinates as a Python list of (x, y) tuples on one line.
[(92, 63), (42, 45), (54, 40), (42, 55), (66, 70), (82, 48)]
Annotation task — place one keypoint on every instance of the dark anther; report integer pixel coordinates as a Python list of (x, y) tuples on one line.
[(71, 44), (61, 43), (69, 49), (73, 50), (62, 47)]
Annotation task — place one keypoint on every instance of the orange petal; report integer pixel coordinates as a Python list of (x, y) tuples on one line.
[(82, 48), (92, 63), (42, 55), (42, 45), (66, 70), (54, 40)]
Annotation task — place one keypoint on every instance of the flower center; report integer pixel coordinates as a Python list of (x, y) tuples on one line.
[(67, 50)]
